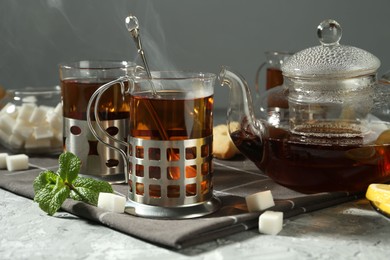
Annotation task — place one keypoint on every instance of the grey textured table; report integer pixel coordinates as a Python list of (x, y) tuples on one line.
[(349, 230)]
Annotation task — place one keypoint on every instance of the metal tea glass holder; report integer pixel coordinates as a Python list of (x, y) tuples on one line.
[(156, 192)]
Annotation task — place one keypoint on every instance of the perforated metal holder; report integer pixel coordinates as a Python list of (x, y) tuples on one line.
[(98, 160), (171, 179)]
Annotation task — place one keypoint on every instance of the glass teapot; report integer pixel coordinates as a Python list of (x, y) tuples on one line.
[(337, 135)]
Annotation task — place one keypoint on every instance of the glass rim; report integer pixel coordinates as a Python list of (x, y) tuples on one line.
[(176, 75), (97, 64), (36, 90)]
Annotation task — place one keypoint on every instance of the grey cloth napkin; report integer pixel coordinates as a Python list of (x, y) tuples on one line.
[(233, 180)]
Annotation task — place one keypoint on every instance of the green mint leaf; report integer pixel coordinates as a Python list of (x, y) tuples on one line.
[(51, 198), (52, 189), (42, 194), (88, 189), (43, 179), (69, 167)]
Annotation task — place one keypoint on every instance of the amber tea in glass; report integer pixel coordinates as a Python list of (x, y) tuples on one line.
[(171, 116), (79, 80)]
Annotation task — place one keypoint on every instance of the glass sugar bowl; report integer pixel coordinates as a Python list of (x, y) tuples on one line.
[(31, 121)]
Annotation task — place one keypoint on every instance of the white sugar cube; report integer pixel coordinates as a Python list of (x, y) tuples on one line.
[(3, 162), (55, 122), (23, 128), (42, 132), (50, 114), (271, 222), (32, 143), (58, 109), (30, 99), (9, 109), (7, 123), (58, 136), (25, 111), (38, 115), (46, 108), (16, 141), (111, 202), (4, 136), (259, 201), (17, 162)]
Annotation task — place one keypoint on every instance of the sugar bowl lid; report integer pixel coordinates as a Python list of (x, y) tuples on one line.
[(330, 59)]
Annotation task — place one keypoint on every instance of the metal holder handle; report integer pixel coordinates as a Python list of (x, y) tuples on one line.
[(97, 95)]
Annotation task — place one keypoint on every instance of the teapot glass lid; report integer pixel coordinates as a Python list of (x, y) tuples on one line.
[(330, 59)]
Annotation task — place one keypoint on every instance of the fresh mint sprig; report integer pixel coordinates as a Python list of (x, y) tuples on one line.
[(52, 189)]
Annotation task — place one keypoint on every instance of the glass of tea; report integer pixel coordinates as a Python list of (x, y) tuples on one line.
[(79, 80), (269, 89), (273, 72), (169, 142)]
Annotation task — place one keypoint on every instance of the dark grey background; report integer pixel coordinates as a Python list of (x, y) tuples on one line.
[(198, 35)]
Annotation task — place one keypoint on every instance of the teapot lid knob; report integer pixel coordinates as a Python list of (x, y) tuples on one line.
[(329, 32)]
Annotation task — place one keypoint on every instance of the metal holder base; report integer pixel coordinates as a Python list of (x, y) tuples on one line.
[(171, 179), (181, 212), (98, 160)]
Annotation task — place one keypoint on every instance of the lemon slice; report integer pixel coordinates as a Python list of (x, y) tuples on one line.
[(383, 138), (383, 208), (379, 193), (363, 153)]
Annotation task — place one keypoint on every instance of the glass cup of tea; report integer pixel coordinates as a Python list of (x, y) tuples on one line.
[(272, 65), (169, 142), (79, 80), (269, 89)]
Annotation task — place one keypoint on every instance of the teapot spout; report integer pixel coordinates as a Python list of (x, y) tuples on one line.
[(245, 130)]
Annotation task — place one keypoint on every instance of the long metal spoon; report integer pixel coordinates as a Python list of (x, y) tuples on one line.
[(132, 26)]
